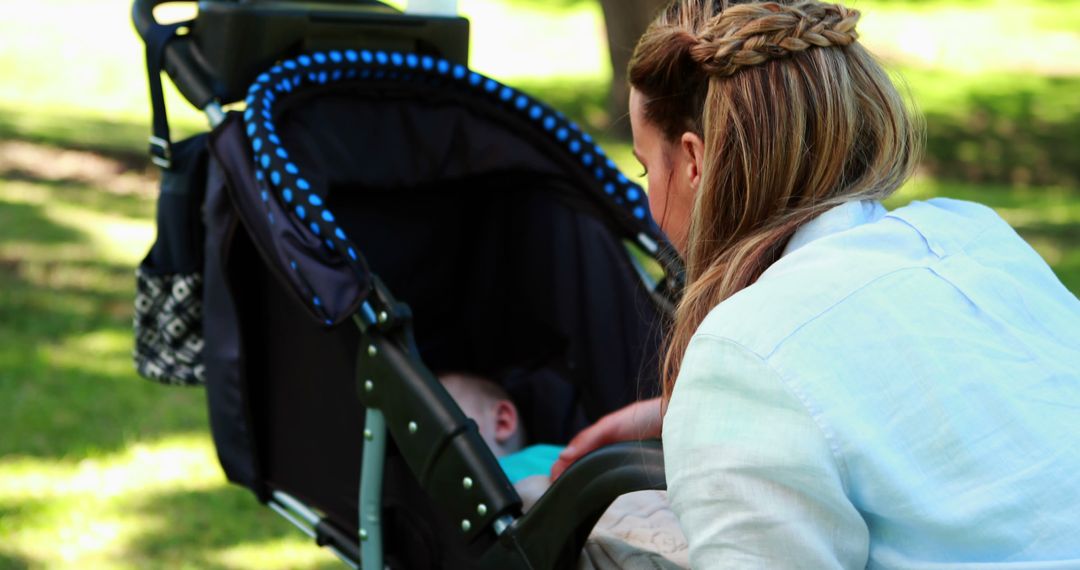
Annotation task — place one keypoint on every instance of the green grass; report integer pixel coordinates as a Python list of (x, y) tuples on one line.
[(1000, 128), (995, 78), (101, 469)]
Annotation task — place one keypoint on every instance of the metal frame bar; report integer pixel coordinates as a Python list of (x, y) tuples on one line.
[(214, 114), (306, 525), (371, 479), (303, 518)]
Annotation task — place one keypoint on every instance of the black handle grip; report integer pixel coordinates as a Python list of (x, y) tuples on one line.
[(552, 534), (180, 62), (142, 15)]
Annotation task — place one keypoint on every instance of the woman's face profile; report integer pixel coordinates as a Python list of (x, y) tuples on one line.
[(672, 170)]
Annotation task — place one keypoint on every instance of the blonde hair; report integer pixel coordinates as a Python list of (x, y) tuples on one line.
[(796, 118)]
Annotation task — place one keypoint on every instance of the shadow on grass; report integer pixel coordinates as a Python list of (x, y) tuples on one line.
[(68, 380), (66, 413), (79, 193), (21, 222), (14, 516), (12, 561), (66, 377), (118, 138), (213, 521), (1020, 134), (53, 298)]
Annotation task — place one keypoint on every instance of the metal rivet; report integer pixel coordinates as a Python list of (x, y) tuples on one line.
[(383, 317), (467, 483), (413, 427), (368, 385), (371, 350), (466, 525), (481, 509), (363, 534), (368, 435)]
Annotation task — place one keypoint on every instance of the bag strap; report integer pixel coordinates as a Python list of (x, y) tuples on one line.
[(157, 38)]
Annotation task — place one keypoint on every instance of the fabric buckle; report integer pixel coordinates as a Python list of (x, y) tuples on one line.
[(160, 152)]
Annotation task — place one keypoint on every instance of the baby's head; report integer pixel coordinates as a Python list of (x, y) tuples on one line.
[(488, 404)]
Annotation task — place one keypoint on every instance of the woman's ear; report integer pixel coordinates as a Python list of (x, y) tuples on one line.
[(693, 150)]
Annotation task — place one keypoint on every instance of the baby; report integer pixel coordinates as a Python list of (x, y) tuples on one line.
[(637, 531), (496, 417)]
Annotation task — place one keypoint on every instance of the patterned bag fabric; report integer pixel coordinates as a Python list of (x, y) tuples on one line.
[(168, 298), (168, 328)]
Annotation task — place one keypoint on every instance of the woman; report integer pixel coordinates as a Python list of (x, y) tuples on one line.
[(846, 387)]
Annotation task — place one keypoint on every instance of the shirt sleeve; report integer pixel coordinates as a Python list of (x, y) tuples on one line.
[(750, 473)]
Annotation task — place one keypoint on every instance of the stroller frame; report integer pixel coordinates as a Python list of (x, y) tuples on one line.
[(404, 399)]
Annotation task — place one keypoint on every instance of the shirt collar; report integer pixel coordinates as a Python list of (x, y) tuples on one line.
[(843, 217)]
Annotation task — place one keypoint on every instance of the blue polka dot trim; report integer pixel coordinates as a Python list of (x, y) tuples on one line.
[(281, 179)]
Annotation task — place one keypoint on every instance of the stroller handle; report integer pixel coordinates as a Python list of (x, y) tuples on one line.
[(179, 62), (553, 532), (142, 15), (230, 43)]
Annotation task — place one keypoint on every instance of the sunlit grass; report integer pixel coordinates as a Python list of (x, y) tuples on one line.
[(116, 238), (104, 352), (99, 468), (74, 75), (142, 467), (280, 554), (98, 511), (113, 238), (49, 70), (974, 37), (61, 56)]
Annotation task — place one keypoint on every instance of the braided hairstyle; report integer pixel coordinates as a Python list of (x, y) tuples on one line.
[(752, 34), (796, 117)]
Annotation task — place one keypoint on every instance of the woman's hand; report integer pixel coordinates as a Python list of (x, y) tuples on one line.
[(640, 420)]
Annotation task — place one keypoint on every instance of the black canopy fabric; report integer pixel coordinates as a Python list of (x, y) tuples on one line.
[(502, 238), (321, 261)]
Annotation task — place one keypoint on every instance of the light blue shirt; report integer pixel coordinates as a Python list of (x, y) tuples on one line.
[(899, 390)]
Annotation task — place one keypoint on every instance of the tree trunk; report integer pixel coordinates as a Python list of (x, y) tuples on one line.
[(625, 20)]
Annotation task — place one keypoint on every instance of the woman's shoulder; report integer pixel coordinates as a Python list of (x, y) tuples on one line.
[(822, 284), (890, 270)]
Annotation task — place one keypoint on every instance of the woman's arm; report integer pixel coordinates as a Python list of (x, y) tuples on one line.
[(750, 473), (640, 420)]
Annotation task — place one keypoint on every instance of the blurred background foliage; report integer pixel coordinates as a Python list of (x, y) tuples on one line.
[(99, 469)]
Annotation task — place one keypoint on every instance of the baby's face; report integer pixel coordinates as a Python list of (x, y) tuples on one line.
[(495, 424), (480, 411)]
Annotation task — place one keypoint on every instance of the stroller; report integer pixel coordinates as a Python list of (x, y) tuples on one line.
[(376, 212)]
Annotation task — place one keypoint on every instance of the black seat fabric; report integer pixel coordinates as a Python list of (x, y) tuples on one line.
[(509, 272)]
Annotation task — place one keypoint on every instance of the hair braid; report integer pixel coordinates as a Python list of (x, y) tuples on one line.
[(751, 34)]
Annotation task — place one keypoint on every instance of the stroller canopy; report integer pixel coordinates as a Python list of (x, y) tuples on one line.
[(471, 127)]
